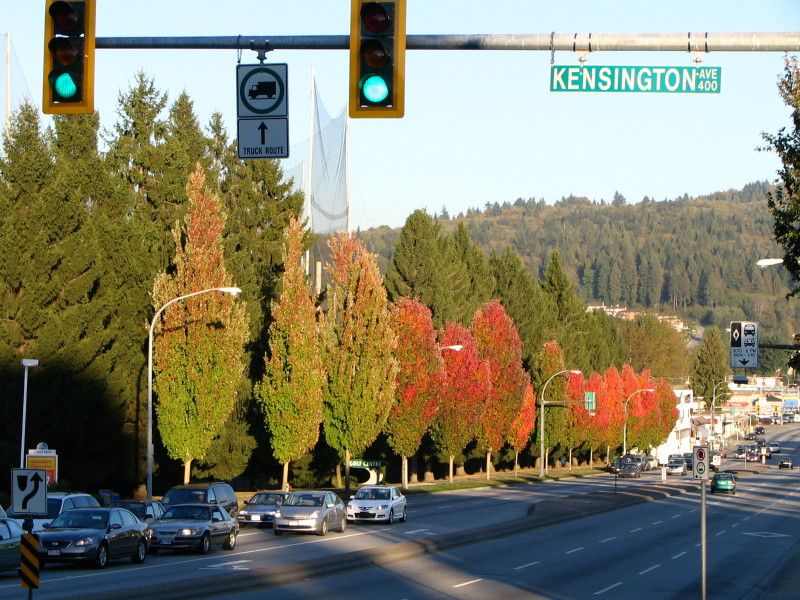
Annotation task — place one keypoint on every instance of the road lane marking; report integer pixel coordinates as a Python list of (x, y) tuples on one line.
[(604, 590), (746, 519), (678, 555), (734, 525), (525, 566), (458, 585), (573, 550), (675, 516), (720, 533), (417, 531), (657, 522), (635, 530), (648, 570), (608, 539)]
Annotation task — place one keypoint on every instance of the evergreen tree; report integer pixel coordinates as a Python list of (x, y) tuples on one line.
[(479, 275), (709, 364)]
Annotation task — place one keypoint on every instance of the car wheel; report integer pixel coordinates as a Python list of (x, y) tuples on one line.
[(405, 514), (141, 553), (205, 544), (343, 526), (101, 558), (390, 520), (277, 531), (230, 543), (323, 528)]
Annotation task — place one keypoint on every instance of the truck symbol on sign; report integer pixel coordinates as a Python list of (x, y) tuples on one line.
[(263, 88)]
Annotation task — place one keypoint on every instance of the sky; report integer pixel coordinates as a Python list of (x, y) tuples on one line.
[(479, 126)]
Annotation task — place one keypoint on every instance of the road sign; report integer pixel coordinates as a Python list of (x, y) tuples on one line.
[(619, 78), (263, 138), (46, 460), (29, 491), (700, 466), (744, 344)]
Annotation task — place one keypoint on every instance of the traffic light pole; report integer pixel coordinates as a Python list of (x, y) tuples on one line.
[(552, 42)]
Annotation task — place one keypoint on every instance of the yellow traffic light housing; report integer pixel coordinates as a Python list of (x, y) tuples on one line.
[(377, 59), (68, 86)]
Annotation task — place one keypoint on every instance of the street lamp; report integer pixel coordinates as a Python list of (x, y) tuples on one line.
[(26, 362), (625, 424), (233, 291), (768, 262), (713, 402), (454, 347), (542, 404)]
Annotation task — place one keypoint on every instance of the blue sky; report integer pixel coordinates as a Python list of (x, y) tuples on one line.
[(480, 126)]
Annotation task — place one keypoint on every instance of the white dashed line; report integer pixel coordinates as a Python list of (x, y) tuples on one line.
[(678, 555), (608, 539), (574, 550), (458, 585), (734, 525), (720, 533), (635, 530), (675, 516), (604, 590), (648, 570), (657, 522), (526, 565)]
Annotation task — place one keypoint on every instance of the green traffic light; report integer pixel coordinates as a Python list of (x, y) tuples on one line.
[(375, 89), (65, 86)]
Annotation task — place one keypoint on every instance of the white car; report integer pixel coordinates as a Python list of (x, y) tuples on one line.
[(377, 503), (57, 502)]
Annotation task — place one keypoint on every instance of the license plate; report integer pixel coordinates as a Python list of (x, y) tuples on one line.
[(166, 541), (294, 522), (255, 517), (54, 553)]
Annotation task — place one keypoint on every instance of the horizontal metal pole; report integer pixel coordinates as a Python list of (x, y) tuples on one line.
[(575, 42), (779, 346)]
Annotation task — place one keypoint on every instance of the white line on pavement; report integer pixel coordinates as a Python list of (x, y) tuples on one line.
[(525, 566), (657, 522), (608, 539), (675, 516), (678, 555), (604, 590), (720, 533), (573, 550), (648, 570), (467, 583), (635, 530), (735, 525)]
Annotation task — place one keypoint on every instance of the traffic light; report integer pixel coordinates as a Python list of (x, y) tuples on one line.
[(68, 86), (377, 59)]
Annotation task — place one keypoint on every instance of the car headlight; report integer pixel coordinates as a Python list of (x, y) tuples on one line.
[(314, 515), (85, 541), (188, 531), (243, 512), (383, 507), (278, 514)]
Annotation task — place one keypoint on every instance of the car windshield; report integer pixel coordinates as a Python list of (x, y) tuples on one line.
[(183, 496), (265, 498), (372, 494), (81, 519), (304, 500), (136, 508), (202, 513)]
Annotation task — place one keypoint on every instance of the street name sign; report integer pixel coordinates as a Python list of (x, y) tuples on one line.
[(744, 344), (29, 491), (700, 464), (262, 108), (619, 78)]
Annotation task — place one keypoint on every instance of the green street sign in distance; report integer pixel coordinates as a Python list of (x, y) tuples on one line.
[(618, 78), (262, 90)]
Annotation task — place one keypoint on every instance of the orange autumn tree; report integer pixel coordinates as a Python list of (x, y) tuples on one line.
[(419, 380), (522, 426)]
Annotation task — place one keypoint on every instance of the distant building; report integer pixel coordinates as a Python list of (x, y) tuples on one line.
[(627, 314)]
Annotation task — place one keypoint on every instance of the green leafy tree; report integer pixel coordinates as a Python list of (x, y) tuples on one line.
[(709, 364), (198, 349), (651, 344), (549, 362), (358, 351), (291, 392)]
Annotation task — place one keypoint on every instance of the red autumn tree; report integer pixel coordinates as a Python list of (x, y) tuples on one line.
[(500, 346), (611, 409), (522, 426), (578, 416), (419, 379), (463, 399), (594, 430)]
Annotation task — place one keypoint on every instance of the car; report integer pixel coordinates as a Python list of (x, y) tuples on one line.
[(652, 462), (741, 452), (94, 535), (723, 482), (753, 456), (786, 463), (688, 457), (774, 447), (310, 511), (676, 467), (759, 430), (193, 527), (260, 509), (10, 540), (630, 470), (216, 492), (146, 510), (377, 503), (58, 502)]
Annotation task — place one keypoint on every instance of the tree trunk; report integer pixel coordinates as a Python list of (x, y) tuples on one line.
[(489, 464), (570, 458), (516, 463), (285, 485), (346, 473), (404, 471), (591, 463), (546, 457), (187, 471), (450, 478), (338, 475), (414, 477), (608, 454)]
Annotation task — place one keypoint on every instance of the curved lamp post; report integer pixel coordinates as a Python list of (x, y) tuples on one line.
[(625, 425), (768, 262), (27, 363), (542, 404), (233, 291), (713, 402)]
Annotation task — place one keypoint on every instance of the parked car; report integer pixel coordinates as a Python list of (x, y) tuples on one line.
[(94, 535), (58, 502), (723, 482), (630, 470), (652, 462), (310, 511), (688, 458), (10, 540), (146, 510), (786, 463), (218, 493), (377, 503), (261, 508), (676, 467), (193, 527)]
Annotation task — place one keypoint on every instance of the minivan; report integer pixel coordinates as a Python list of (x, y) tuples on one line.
[(217, 493)]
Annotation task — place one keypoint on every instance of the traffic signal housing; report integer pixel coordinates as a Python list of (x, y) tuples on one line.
[(377, 59), (68, 86)]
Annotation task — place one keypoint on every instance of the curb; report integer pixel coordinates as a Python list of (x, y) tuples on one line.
[(540, 514)]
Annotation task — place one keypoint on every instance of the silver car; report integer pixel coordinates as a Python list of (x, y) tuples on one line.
[(261, 508), (310, 511), (377, 503)]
